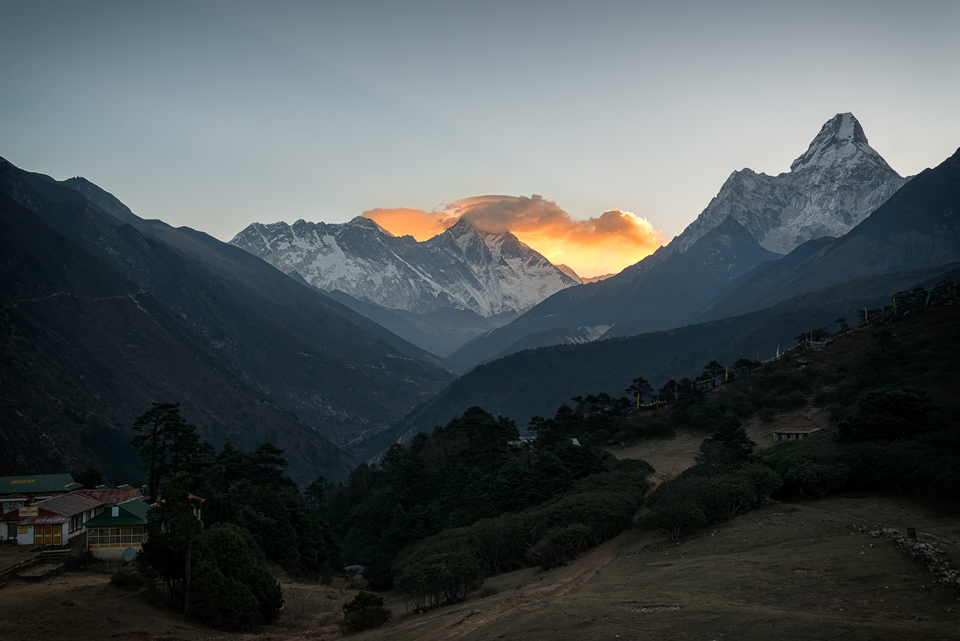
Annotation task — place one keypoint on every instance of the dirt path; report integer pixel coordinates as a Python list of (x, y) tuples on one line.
[(459, 621)]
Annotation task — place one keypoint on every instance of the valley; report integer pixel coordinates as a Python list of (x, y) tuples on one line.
[(615, 321), (791, 570), (336, 447)]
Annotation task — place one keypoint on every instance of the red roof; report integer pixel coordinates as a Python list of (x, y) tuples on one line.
[(14, 515), (45, 520), (113, 496), (189, 496)]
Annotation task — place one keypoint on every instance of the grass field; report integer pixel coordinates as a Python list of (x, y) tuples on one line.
[(787, 571)]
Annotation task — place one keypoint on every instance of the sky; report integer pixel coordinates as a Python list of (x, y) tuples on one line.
[(615, 122)]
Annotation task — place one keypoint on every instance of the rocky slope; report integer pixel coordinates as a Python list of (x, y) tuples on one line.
[(916, 228), (829, 189)]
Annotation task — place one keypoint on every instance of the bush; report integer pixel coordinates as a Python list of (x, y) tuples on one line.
[(888, 414), (560, 544), (817, 480), (231, 588), (677, 519), (364, 612), (632, 465), (488, 590), (723, 497), (437, 580), (766, 415)]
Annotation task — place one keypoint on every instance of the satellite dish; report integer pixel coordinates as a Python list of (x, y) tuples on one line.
[(129, 554)]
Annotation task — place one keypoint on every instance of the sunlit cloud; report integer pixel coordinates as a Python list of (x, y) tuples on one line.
[(592, 247)]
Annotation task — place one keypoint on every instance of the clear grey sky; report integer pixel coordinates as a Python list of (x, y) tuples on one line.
[(218, 114)]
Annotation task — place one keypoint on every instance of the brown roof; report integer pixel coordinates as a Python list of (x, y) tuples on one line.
[(113, 496), (70, 504)]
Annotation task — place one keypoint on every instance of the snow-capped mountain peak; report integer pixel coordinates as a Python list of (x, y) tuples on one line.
[(840, 141), (833, 186), (368, 223), (461, 268)]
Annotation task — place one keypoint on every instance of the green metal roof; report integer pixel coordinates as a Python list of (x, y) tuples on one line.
[(136, 507), (130, 513), (37, 484)]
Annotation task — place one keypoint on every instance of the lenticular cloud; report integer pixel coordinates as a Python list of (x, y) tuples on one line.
[(594, 246)]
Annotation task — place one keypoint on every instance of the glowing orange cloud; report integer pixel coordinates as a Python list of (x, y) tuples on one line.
[(402, 221), (595, 246)]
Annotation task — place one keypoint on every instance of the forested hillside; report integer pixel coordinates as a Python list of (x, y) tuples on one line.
[(535, 382)]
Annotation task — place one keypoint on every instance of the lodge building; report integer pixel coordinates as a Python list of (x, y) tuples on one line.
[(118, 528)]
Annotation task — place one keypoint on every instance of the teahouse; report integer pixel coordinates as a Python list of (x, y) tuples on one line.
[(34, 525), (117, 528), (18, 491), (78, 507)]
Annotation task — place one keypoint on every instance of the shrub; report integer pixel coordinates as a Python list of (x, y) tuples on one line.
[(438, 580), (677, 519), (817, 480), (632, 465), (560, 544), (888, 414), (488, 590), (231, 588), (364, 612), (723, 497)]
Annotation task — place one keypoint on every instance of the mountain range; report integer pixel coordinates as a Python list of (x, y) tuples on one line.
[(334, 341), (755, 218), (105, 313), (912, 239), (493, 277)]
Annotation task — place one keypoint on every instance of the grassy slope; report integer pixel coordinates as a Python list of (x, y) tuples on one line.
[(787, 571)]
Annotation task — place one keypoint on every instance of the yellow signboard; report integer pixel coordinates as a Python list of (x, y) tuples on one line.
[(28, 511), (23, 529)]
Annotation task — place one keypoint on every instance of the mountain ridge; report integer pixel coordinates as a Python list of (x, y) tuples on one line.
[(307, 356), (835, 184), (460, 268)]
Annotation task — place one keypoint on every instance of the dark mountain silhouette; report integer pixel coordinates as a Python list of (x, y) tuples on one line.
[(663, 296), (283, 362), (85, 351), (536, 382)]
